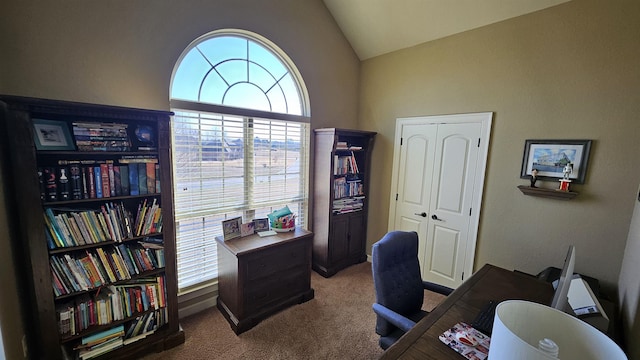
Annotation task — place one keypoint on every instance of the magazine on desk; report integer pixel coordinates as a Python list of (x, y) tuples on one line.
[(467, 341)]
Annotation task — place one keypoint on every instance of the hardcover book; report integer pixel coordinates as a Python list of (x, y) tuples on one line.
[(117, 181), (76, 181), (142, 179), (133, 179), (91, 182), (43, 192), (97, 179), (51, 185), (64, 186), (124, 179), (112, 179), (151, 178), (106, 185)]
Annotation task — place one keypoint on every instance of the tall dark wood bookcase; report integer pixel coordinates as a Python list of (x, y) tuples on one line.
[(24, 155), (341, 191)]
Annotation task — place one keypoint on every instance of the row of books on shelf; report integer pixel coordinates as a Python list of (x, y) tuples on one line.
[(101, 136), (345, 164), (343, 187), (347, 205), (92, 136), (96, 179), (110, 304), (94, 268), (108, 340), (113, 222)]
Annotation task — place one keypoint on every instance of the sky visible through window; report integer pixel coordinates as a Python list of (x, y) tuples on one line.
[(235, 71)]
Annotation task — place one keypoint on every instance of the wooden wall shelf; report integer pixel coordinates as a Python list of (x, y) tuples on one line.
[(547, 193)]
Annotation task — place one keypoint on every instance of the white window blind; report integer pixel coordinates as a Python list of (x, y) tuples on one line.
[(227, 166)]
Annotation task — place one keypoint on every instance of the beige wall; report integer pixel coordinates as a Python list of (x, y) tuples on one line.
[(629, 291), (567, 72), (123, 52)]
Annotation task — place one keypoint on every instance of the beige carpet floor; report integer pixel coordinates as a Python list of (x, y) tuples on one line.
[(337, 324)]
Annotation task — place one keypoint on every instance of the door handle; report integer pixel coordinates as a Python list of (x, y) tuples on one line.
[(423, 214), (434, 217)]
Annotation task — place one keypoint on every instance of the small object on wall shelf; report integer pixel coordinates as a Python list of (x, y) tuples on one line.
[(547, 193)]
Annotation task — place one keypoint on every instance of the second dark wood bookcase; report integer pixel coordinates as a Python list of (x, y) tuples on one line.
[(341, 190), (46, 136)]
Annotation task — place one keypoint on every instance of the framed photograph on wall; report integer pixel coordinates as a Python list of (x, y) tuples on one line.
[(550, 157), (231, 228), (52, 135)]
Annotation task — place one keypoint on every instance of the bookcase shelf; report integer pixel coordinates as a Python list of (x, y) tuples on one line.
[(341, 190), (60, 250), (89, 265), (97, 289)]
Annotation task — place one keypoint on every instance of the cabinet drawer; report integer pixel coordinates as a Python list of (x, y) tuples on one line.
[(268, 262), (261, 295)]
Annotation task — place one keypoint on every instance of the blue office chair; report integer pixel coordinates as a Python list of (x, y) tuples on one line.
[(398, 285)]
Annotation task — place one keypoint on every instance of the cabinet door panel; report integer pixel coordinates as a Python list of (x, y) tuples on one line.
[(357, 233), (339, 244)]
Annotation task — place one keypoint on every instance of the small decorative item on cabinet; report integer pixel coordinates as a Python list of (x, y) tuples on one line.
[(282, 220), (231, 228), (260, 224)]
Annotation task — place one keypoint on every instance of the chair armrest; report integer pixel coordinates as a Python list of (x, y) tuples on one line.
[(393, 317), (437, 288)]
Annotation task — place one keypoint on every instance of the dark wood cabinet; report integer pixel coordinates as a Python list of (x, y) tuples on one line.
[(341, 191), (258, 276), (39, 134)]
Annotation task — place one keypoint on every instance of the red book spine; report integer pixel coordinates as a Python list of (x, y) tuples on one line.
[(104, 174)]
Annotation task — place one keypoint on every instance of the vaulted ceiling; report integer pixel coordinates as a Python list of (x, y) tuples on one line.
[(376, 27)]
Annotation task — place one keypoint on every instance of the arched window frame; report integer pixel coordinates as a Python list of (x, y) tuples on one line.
[(201, 257)]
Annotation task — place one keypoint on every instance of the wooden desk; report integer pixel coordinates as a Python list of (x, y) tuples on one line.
[(489, 283), (258, 276)]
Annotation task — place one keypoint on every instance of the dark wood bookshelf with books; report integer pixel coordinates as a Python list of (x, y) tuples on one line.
[(93, 227), (341, 189)]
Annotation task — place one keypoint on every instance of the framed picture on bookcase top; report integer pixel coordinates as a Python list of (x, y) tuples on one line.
[(52, 135)]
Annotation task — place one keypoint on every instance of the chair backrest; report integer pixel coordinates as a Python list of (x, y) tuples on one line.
[(396, 275)]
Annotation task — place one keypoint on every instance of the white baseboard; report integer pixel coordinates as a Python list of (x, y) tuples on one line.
[(197, 307), (197, 300)]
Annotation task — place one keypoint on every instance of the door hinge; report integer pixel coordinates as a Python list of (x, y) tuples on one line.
[(478, 142), (396, 197), (470, 211), (463, 275), (400, 141)]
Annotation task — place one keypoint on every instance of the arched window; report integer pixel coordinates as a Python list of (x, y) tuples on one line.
[(240, 142)]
